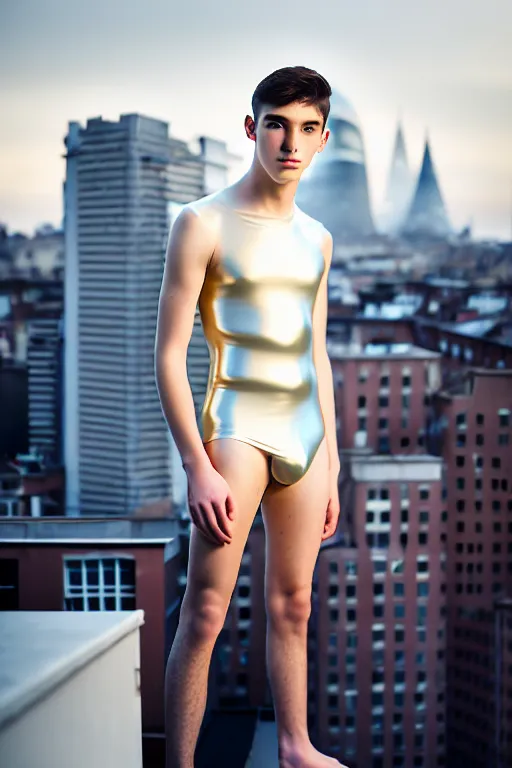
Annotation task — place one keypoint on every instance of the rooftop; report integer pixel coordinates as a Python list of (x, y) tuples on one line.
[(39, 650), (341, 351)]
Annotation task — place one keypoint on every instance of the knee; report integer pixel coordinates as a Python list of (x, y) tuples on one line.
[(203, 615), (290, 607)]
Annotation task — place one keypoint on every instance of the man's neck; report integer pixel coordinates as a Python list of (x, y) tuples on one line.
[(258, 192)]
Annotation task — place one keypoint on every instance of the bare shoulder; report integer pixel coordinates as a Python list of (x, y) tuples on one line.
[(319, 233), (194, 232), (207, 210)]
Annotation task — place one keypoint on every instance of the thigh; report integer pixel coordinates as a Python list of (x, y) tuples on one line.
[(294, 517), (214, 567)]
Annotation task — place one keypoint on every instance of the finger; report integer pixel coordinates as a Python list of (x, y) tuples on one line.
[(211, 521), (222, 518), (202, 526), (230, 506)]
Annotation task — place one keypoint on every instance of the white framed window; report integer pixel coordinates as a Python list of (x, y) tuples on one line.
[(99, 582)]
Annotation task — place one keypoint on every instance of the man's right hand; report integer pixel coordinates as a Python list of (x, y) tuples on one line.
[(211, 504)]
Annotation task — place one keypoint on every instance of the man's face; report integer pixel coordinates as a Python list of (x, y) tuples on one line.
[(292, 132)]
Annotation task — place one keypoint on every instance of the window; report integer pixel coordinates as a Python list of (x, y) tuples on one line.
[(480, 419), (93, 583), (383, 401), (9, 595), (460, 420), (361, 401), (504, 416)]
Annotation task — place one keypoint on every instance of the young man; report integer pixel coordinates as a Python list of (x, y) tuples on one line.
[(258, 267)]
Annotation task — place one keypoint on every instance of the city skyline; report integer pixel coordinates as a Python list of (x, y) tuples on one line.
[(445, 72)]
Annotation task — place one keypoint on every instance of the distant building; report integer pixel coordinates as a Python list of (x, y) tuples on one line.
[(383, 395), (335, 191), (399, 188), (377, 687), (39, 256), (475, 421), (427, 216), (122, 180)]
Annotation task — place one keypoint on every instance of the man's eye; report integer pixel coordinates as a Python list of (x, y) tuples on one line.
[(272, 122)]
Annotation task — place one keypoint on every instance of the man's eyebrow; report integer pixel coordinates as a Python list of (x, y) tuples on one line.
[(283, 119)]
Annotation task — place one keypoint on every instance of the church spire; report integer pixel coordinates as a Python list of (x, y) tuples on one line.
[(398, 193), (427, 214)]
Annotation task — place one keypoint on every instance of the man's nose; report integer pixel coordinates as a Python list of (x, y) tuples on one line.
[(290, 142)]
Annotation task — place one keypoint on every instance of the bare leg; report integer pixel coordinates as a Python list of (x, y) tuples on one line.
[(294, 518), (211, 579)]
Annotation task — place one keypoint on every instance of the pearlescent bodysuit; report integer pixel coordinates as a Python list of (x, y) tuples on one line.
[(256, 306)]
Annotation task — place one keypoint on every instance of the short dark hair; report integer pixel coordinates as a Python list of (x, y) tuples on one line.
[(290, 84)]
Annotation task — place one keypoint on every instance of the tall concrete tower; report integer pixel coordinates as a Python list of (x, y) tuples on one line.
[(121, 180), (336, 190), (427, 216)]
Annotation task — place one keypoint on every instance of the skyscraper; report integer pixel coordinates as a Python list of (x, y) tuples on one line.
[(120, 180)]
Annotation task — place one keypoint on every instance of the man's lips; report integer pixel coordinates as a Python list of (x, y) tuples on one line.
[(289, 161)]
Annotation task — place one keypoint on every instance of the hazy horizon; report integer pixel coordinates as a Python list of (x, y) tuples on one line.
[(445, 70)]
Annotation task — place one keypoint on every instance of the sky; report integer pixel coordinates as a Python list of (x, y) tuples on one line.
[(444, 68)]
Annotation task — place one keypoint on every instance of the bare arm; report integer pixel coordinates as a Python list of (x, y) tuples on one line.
[(326, 390), (322, 362), (189, 249)]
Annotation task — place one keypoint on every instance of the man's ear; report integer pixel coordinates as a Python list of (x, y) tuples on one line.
[(250, 128), (324, 141)]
